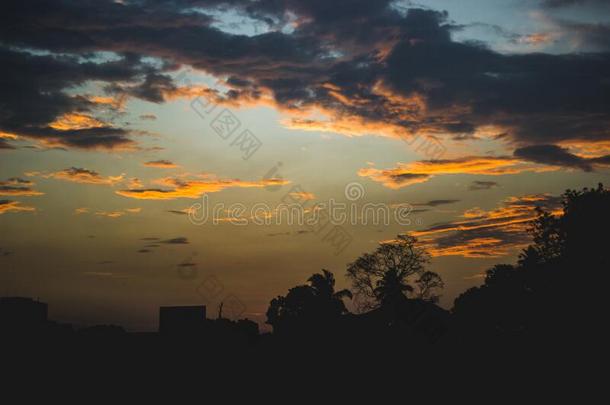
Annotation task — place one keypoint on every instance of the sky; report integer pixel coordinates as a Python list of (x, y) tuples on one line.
[(147, 147)]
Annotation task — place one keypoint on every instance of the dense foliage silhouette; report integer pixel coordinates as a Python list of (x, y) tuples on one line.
[(554, 292)]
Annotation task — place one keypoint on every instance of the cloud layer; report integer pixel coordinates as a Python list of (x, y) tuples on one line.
[(368, 67), (485, 234)]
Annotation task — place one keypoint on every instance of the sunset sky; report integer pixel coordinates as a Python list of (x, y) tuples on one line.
[(118, 117)]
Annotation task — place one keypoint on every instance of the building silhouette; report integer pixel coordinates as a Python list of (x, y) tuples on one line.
[(182, 319), (22, 315)]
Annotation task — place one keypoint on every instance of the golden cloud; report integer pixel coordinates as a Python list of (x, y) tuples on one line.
[(6, 135), (303, 195), (72, 121), (487, 234), (406, 174), (180, 188), (588, 149), (134, 182), (18, 187), (14, 206)]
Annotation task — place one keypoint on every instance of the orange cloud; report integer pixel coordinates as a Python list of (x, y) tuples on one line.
[(179, 188), (477, 248), (486, 234), (536, 38), (134, 182), (345, 125), (303, 195), (588, 149), (14, 206), (353, 121), (6, 135), (18, 187), (116, 103), (72, 121), (406, 174)]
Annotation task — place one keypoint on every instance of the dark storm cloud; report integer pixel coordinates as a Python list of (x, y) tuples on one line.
[(536, 98), (552, 155), (558, 156), (593, 35), (153, 88), (566, 3), (352, 58), (34, 96)]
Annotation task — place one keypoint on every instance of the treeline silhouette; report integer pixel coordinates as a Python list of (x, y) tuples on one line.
[(553, 295)]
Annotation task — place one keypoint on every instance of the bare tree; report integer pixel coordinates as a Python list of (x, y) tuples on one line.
[(394, 271)]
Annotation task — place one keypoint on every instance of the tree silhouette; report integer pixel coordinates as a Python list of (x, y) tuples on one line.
[(393, 272), (556, 289), (578, 235), (308, 306), (324, 286)]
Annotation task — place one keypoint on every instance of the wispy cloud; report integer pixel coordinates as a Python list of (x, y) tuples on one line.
[(303, 195), (406, 174), (161, 164), (84, 176), (181, 188), (108, 214), (18, 187), (483, 234), (14, 206)]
